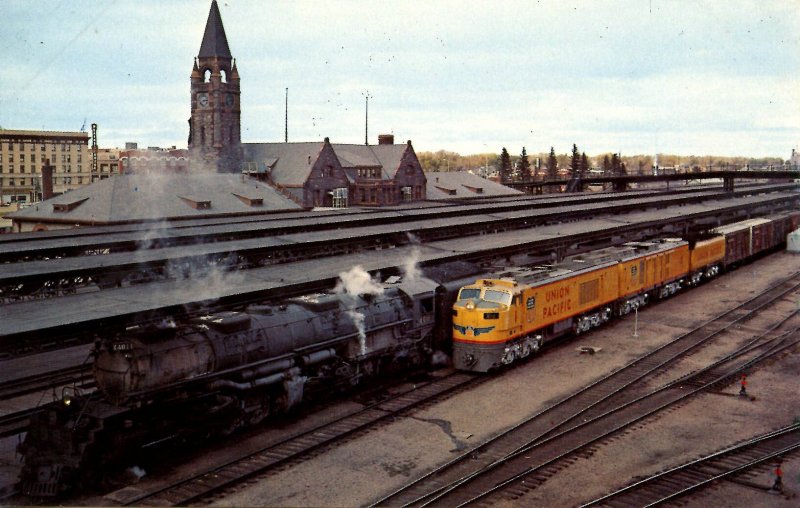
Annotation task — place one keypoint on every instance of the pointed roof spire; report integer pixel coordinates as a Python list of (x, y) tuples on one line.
[(215, 44)]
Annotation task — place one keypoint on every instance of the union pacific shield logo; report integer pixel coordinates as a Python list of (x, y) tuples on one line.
[(471, 331)]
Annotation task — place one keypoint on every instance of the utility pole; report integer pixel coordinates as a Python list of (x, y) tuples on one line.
[(366, 119), (286, 119)]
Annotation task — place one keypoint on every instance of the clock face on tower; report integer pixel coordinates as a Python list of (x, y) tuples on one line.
[(202, 99)]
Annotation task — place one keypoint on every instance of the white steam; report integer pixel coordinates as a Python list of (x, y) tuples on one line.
[(137, 472), (410, 268), (358, 320), (357, 282)]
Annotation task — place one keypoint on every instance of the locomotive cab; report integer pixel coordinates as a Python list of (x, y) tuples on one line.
[(484, 319)]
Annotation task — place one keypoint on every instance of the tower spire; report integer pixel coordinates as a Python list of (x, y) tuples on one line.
[(215, 123), (214, 44)]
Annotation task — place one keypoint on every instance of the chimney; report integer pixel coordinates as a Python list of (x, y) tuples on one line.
[(385, 139), (47, 180)]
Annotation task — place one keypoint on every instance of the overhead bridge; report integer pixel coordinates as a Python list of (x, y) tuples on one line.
[(623, 182)]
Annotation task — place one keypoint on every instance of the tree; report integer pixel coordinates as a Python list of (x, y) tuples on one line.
[(575, 162), (505, 165), (552, 165), (584, 164), (607, 167), (524, 165), (615, 163)]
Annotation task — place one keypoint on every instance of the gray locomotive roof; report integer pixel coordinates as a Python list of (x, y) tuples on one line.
[(593, 260), (414, 285)]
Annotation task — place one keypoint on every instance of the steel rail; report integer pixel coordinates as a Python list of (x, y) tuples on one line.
[(590, 397), (192, 488), (654, 402), (686, 478)]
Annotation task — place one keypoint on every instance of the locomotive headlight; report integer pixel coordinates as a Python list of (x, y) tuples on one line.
[(67, 400), (470, 305)]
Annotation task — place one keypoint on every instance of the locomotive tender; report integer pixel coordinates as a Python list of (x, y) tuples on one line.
[(210, 375)]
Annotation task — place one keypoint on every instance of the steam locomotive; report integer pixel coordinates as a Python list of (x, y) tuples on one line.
[(218, 372), (213, 374)]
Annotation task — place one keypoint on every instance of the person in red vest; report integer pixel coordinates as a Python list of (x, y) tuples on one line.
[(778, 485), (743, 389)]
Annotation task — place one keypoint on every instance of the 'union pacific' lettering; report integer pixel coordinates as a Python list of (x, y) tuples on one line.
[(557, 308), (558, 293)]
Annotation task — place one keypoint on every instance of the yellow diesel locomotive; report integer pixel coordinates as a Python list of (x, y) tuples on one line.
[(501, 319)]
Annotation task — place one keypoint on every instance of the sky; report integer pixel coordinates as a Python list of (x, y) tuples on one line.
[(679, 77)]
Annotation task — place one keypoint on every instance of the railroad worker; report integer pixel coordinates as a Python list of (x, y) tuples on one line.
[(778, 485), (743, 389)]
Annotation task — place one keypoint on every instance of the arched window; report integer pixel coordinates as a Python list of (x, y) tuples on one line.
[(224, 76), (207, 75)]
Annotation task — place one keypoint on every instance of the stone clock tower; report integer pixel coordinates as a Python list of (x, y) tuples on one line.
[(215, 141)]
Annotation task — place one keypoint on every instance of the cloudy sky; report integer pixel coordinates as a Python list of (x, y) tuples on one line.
[(639, 77)]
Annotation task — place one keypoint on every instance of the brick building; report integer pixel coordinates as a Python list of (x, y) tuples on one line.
[(24, 152), (314, 174), (339, 175)]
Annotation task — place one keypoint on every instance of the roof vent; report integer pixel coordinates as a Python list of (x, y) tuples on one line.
[(476, 190), (196, 203), (451, 192), (68, 207), (249, 201)]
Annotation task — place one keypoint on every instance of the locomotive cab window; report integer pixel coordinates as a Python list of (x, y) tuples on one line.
[(468, 293), (492, 295), (426, 305)]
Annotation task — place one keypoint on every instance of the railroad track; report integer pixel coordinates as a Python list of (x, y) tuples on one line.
[(607, 395), (206, 483), (697, 474), (529, 466)]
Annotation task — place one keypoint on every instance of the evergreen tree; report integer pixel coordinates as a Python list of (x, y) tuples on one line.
[(607, 167), (575, 162), (524, 166), (552, 165), (615, 164), (584, 165), (505, 165)]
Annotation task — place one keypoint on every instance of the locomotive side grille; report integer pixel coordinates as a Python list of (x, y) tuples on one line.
[(589, 291)]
